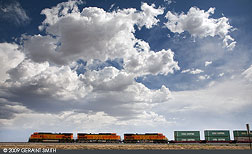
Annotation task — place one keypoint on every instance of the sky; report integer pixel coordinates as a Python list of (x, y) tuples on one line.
[(124, 66)]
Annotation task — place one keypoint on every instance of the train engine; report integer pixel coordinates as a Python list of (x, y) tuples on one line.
[(98, 138), (51, 137), (145, 138)]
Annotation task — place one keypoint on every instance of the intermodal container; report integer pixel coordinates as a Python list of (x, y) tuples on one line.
[(183, 134), (243, 139), (241, 133), (219, 139), (187, 139), (219, 133)]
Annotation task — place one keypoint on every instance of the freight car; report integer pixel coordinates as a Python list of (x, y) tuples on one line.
[(98, 138), (145, 138), (186, 137), (241, 136), (217, 136), (51, 137)]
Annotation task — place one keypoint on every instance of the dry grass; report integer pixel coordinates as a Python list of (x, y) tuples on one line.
[(124, 146)]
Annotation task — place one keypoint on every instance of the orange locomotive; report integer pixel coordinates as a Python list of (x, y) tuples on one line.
[(51, 137), (98, 138), (145, 138)]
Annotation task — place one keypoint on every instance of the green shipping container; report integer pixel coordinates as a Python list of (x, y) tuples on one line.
[(241, 133), (219, 133), (186, 134), (217, 138), (187, 139), (243, 139)]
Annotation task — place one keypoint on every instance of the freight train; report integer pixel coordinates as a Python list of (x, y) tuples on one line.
[(211, 136)]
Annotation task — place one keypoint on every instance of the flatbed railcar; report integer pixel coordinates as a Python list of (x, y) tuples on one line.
[(145, 138)]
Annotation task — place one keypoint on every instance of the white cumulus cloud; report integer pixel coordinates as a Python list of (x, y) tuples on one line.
[(10, 57), (88, 34), (248, 73), (199, 24), (43, 79), (192, 71), (144, 63), (208, 63), (221, 74), (203, 77), (63, 89)]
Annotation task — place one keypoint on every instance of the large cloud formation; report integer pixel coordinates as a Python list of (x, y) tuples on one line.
[(10, 58), (42, 80), (90, 34), (198, 24)]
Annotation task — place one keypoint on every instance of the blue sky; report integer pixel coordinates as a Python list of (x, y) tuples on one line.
[(124, 66)]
